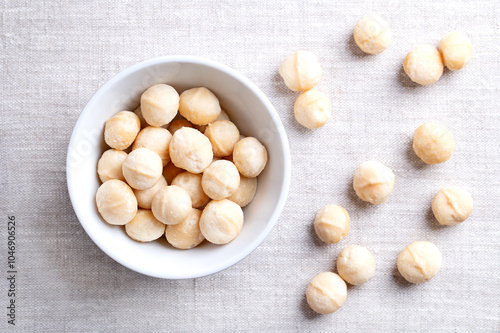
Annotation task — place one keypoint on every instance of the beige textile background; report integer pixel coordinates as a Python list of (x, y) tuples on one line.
[(56, 54)]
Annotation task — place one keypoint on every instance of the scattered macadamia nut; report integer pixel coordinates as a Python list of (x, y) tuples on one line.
[(138, 112), (156, 139), (192, 184), (223, 116), (250, 157), (424, 64), (145, 197), (332, 224), (356, 264), (144, 227), (301, 71), (312, 109), (221, 221), (419, 262), (372, 34), (159, 104), (220, 180), (170, 171), (456, 49), (110, 165), (433, 143), (245, 192), (452, 205), (326, 293), (121, 129), (142, 168), (187, 234), (178, 124), (190, 150), (373, 182), (171, 204), (223, 136), (116, 202), (199, 105)]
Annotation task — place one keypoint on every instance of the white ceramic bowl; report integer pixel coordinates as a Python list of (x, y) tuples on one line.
[(247, 107)]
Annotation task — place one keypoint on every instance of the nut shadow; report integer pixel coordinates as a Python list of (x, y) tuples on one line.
[(432, 222), (399, 279), (355, 200), (354, 48), (405, 81), (307, 311), (413, 158)]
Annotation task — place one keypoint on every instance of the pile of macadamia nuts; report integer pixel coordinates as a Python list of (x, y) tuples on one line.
[(177, 167), (373, 182)]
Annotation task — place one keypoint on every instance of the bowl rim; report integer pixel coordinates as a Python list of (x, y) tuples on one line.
[(272, 220)]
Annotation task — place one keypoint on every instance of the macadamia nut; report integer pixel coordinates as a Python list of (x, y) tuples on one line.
[(332, 224), (145, 197), (245, 192), (424, 64), (187, 234), (372, 34), (138, 112), (312, 109), (171, 205), (142, 168), (178, 124), (373, 182), (110, 165), (144, 227), (116, 202), (356, 264), (250, 157), (121, 129), (221, 221), (456, 49), (156, 139), (223, 136), (190, 150), (199, 105), (192, 184), (419, 262), (326, 293), (301, 71), (452, 205), (220, 180), (159, 104), (433, 143)]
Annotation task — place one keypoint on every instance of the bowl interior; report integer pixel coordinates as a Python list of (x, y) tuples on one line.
[(247, 107)]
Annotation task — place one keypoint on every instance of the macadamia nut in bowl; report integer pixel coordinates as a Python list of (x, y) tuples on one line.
[(248, 109)]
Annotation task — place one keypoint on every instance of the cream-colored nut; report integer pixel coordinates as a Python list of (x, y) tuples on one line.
[(373, 182), (452, 205), (424, 64), (372, 34), (312, 109), (142, 168), (156, 139), (332, 224), (116, 202), (121, 129), (145, 197), (223, 136), (178, 124), (171, 204), (456, 49), (220, 180), (245, 192), (186, 234), (144, 227), (433, 143), (170, 171), (199, 105), (190, 150), (223, 116), (110, 165), (159, 104), (250, 157), (326, 293), (356, 264), (192, 184), (221, 221), (138, 112), (301, 71), (419, 262)]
